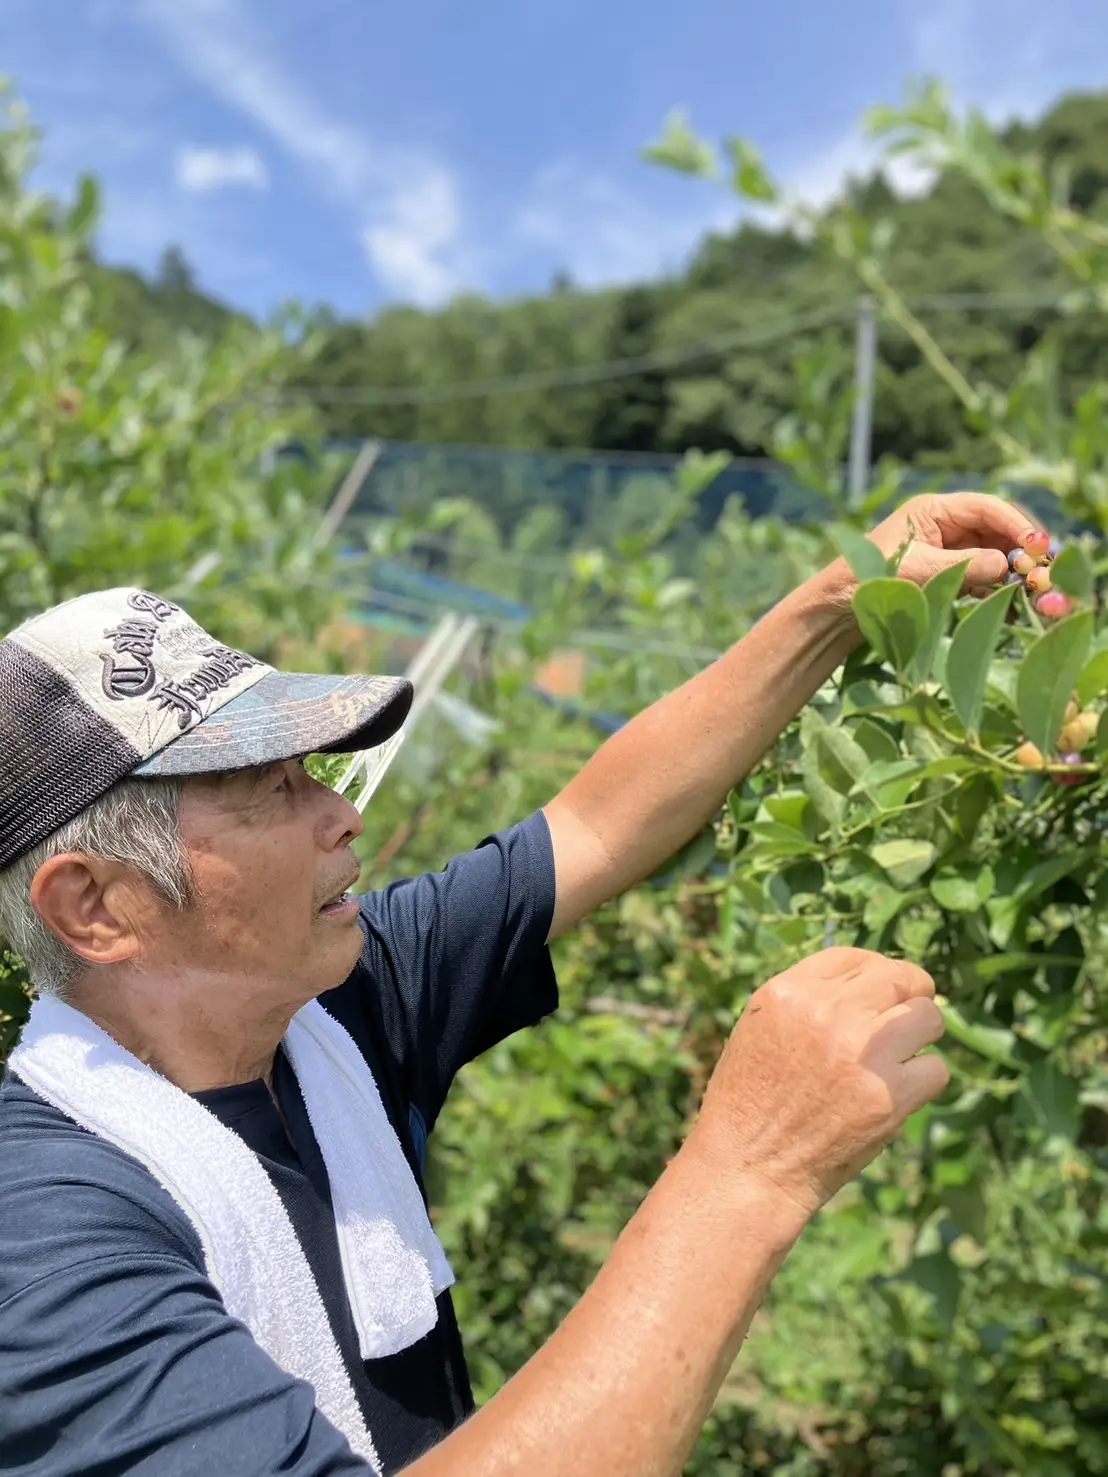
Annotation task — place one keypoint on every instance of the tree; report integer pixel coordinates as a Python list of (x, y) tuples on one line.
[(174, 275)]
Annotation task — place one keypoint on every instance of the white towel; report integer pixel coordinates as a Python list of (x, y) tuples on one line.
[(393, 1263)]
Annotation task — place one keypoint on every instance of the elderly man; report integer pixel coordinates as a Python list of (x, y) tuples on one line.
[(215, 1254)]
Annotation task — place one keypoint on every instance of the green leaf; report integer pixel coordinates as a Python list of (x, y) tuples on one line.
[(778, 840), (878, 742), (842, 760), (994, 966), (1094, 678), (827, 801), (1043, 875), (940, 594), (1048, 677), (788, 809), (942, 1279), (681, 149), (892, 615), (905, 861), (882, 906), (1051, 1100), (968, 1209), (86, 208), (963, 891), (917, 769), (991, 1042), (1072, 573), (749, 175), (864, 557), (971, 653)]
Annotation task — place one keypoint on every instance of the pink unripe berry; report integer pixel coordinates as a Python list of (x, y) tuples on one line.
[(1037, 544), (1053, 605), (1038, 581)]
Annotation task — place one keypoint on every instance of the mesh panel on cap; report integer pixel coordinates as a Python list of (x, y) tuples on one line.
[(56, 754)]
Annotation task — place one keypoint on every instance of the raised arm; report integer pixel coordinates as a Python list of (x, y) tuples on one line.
[(820, 1073)]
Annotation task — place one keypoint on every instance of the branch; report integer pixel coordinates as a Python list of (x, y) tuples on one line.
[(629, 1010)]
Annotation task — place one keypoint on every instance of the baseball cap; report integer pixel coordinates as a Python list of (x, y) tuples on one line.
[(121, 682)]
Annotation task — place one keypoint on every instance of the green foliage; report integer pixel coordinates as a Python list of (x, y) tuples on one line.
[(117, 467), (947, 1313)]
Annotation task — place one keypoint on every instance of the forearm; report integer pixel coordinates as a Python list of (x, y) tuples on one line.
[(624, 1386), (664, 774)]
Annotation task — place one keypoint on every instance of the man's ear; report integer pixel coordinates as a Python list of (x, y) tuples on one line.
[(89, 904)]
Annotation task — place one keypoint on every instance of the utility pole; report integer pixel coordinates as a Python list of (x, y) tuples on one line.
[(861, 431)]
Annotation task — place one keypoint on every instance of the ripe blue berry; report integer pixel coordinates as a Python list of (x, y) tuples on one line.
[(1013, 555)]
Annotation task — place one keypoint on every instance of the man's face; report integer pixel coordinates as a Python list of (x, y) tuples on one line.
[(270, 851)]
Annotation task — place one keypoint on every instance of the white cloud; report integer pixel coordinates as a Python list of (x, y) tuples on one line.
[(603, 235), (404, 204), (417, 224), (198, 170)]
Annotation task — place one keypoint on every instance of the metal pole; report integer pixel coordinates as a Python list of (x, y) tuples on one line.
[(352, 484), (378, 761), (861, 431)]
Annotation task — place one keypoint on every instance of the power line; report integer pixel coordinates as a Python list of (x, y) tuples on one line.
[(616, 369), (586, 374)]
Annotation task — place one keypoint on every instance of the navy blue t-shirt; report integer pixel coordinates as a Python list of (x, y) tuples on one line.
[(116, 1352)]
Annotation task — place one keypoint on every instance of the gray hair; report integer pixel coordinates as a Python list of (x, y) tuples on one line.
[(136, 823)]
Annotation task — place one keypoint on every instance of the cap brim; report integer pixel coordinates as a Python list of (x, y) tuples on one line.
[(287, 715)]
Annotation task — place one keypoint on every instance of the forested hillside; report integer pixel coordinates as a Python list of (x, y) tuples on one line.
[(989, 288), (751, 284)]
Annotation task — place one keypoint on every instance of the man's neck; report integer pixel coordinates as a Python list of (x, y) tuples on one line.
[(196, 1047)]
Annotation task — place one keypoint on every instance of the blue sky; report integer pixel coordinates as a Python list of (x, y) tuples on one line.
[(360, 153)]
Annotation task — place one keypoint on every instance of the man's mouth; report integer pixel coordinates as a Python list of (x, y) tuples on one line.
[(340, 903)]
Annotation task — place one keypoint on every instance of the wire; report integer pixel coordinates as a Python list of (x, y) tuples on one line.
[(588, 374)]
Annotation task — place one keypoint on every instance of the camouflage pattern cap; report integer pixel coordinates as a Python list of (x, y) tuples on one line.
[(122, 682)]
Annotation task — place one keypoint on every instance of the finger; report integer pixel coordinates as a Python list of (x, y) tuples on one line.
[(985, 568), (989, 521), (907, 1028), (884, 983), (837, 963), (921, 1081)]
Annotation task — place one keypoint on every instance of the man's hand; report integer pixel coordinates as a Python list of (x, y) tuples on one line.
[(947, 528), (821, 1071)]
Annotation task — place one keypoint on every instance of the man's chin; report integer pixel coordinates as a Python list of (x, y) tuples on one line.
[(340, 958)]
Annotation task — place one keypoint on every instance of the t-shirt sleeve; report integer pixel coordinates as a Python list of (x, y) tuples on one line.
[(457, 960), (127, 1360)]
